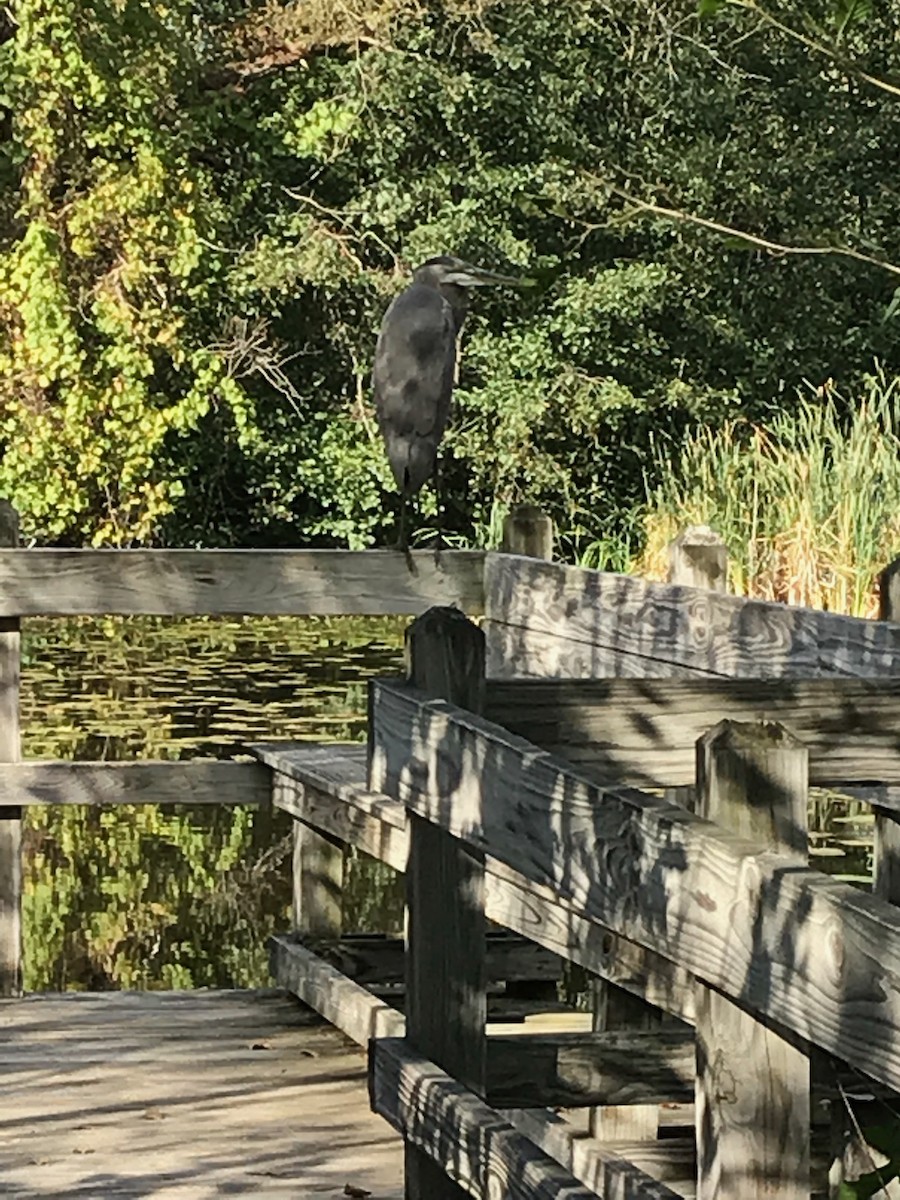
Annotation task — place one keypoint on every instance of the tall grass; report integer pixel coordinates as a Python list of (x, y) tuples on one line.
[(808, 503)]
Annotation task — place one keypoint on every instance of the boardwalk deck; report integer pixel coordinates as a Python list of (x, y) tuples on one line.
[(167, 1095)]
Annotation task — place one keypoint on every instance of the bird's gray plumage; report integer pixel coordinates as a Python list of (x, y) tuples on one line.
[(415, 367)]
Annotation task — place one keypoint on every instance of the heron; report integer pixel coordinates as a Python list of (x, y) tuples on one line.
[(415, 367)]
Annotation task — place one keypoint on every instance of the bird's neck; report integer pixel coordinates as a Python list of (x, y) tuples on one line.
[(458, 299)]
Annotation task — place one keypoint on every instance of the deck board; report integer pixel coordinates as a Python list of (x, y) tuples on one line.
[(161, 1094)]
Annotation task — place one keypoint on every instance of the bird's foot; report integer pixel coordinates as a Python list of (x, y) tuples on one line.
[(436, 543), (403, 548)]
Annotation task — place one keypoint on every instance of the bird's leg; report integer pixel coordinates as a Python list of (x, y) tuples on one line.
[(404, 533), (401, 544), (439, 543)]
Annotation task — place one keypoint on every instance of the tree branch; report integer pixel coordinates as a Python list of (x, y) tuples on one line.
[(847, 65), (778, 249)]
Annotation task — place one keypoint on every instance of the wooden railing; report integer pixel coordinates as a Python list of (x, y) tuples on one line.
[(39, 582), (503, 777)]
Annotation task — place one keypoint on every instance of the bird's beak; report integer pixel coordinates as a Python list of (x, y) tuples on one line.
[(478, 277)]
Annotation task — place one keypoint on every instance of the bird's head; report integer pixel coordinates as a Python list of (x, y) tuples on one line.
[(445, 271)]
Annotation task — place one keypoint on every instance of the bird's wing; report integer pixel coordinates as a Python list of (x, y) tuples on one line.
[(414, 363), (412, 379)]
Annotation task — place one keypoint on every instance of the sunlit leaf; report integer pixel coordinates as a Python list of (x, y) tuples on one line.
[(845, 14)]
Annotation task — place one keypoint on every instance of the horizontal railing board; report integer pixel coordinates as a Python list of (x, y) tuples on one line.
[(480, 1149), (560, 1070), (645, 731), (377, 960), (814, 955), (188, 781), (62, 583), (325, 785), (348, 1006), (545, 619), (612, 1169), (362, 1016)]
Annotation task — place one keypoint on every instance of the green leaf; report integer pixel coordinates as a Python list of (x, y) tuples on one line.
[(709, 8), (893, 307), (847, 13)]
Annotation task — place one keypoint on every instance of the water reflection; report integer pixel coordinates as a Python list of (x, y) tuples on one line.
[(185, 897), (181, 897)]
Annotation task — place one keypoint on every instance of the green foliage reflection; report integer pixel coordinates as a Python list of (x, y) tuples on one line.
[(180, 897)]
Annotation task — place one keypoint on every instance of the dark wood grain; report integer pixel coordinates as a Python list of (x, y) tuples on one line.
[(446, 971), (375, 959), (551, 620), (816, 956)]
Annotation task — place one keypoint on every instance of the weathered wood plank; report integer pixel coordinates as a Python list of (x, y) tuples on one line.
[(574, 1070), (753, 1102), (562, 621), (359, 1015), (528, 530), (446, 973), (817, 956), (347, 1005), (614, 1010), (374, 959), (189, 1095), (188, 781), (65, 583), (644, 973), (886, 881), (317, 892), (644, 731), (698, 558), (326, 785), (615, 1170), (10, 811), (479, 1150)]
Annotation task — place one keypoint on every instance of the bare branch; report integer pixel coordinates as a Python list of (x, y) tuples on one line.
[(847, 65), (778, 249)]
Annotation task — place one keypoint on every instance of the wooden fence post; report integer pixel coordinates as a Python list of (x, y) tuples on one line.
[(318, 873), (886, 881), (699, 558), (446, 989), (752, 1093), (528, 530), (10, 818), (851, 1154)]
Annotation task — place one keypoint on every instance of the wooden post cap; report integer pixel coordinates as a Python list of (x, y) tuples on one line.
[(528, 530), (699, 558)]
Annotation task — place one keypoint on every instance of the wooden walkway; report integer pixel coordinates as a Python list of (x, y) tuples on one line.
[(187, 1095)]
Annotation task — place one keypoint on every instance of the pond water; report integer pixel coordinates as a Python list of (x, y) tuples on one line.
[(149, 897), (176, 897)]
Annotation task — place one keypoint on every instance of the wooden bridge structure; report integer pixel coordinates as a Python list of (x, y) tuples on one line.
[(577, 769)]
